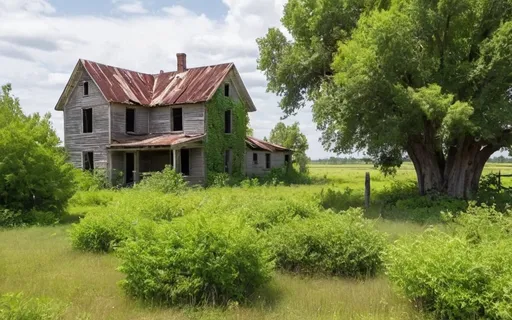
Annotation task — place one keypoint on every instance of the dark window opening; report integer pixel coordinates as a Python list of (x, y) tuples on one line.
[(226, 90), (185, 162), (130, 167), (255, 158), (88, 161), (227, 121), (287, 159), (227, 161), (86, 88), (177, 119), (267, 160), (130, 120), (87, 120)]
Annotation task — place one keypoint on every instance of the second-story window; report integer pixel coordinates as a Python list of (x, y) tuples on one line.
[(130, 120), (86, 88), (226, 90), (87, 120), (227, 121), (177, 119)]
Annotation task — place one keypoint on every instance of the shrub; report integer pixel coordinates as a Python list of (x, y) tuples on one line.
[(464, 275), (338, 244), (103, 231), (286, 175), (34, 172), (10, 218), (92, 198), (194, 260), (18, 307), (263, 215), (96, 180), (340, 200), (166, 181)]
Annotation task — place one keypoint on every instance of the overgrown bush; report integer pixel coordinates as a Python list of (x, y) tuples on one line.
[(492, 192), (286, 175), (19, 307), (103, 231), (166, 181), (10, 218), (96, 180), (195, 260), (263, 215), (340, 200), (339, 244), (401, 201), (466, 274), (34, 172)]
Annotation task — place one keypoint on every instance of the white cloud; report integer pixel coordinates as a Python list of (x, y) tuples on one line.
[(133, 7), (39, 49)]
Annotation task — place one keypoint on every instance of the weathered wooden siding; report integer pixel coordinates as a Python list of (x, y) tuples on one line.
[(77, 142), (160, 120), (197, 165), (193, 119), (118, 119), (276, 161)]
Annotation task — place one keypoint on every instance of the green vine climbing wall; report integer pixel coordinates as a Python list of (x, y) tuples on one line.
[(217, 142)]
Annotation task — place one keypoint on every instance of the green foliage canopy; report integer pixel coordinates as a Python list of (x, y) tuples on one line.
[(34, 173), (430, 78), (292, 138)]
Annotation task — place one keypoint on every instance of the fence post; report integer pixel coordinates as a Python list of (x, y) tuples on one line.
[(499, 180), (367, 190)]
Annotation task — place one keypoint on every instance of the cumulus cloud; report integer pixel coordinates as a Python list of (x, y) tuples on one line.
[(39, 49)]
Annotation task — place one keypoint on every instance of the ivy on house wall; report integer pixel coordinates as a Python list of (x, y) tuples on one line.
[(217, 142)]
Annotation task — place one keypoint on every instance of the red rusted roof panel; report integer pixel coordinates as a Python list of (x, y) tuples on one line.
[(163, 140), (129, 87), (255, 143)]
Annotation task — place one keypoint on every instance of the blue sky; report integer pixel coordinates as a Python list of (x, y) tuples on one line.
[(211, 8), (41, 41)]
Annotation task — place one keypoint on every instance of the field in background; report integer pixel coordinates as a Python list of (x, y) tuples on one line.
[(39, 261)]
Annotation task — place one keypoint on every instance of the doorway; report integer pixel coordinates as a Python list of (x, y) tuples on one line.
[(130, 167), (185, 162)]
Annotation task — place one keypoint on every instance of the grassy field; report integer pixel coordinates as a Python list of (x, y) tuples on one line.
[(39, 261)]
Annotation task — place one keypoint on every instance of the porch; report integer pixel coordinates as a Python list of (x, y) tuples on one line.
[(128, 162)]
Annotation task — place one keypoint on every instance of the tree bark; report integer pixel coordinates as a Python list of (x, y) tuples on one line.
[(457, 174)]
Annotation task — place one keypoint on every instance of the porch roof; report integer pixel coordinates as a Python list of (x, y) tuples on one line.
[(156, 140)]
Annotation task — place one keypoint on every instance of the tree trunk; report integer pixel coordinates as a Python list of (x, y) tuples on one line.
[(456, 175)]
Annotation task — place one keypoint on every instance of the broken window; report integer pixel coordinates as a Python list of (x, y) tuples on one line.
[(130, 120), (87, 120), (227, 161), (86, 88), (227, 121), (226, 90), (255, 158), (88, 158), (177, 119), (267, 160)]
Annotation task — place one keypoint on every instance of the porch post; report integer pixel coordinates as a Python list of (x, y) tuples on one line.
[(136, 174)]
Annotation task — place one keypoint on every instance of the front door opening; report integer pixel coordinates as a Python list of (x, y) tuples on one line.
[(185, 162), (130, 167)]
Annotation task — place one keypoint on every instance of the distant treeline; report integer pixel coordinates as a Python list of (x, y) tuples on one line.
[(365, 160)]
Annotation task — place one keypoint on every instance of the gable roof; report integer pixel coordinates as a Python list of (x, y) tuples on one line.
[(257, 144), (124, 86)]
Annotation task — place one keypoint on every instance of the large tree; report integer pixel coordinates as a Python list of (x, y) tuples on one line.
[(292, 138), (426, 78)]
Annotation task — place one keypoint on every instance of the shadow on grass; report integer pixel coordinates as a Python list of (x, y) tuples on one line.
[(71, 218)]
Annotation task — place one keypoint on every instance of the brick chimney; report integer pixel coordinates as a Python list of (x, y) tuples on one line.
[(182, 62)]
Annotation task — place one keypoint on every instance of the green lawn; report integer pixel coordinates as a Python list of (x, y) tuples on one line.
[(39, 261)]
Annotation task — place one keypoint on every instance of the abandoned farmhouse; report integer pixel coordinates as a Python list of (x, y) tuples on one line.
[(131, 123)]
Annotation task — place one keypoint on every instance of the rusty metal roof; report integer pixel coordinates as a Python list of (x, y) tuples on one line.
[(194, 85), (155, 140), (258, 144)]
